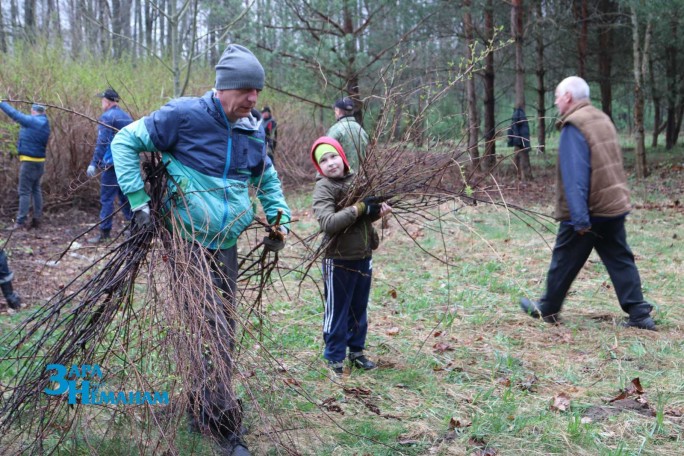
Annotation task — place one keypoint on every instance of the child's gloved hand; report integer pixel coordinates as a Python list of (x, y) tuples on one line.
[(370, 206)]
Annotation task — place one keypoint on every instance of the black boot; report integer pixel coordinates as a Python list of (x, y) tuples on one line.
[(103, 236), (640, 317), (13, 300), (532, 309)]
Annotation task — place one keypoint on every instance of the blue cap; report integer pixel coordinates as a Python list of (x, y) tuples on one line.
[(38, 107)]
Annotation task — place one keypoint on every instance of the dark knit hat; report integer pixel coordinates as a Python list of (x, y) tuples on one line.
[(110, 94), (238, 68), (38, 107), (266, 109), (345, 104)]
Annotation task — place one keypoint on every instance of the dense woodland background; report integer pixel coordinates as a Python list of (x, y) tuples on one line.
[(431, 75)]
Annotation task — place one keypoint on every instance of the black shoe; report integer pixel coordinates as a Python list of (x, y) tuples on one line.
[(532, 309), (360, 361), (234, 446), (36, 224), (13, 299), (337, 368), (102, 236), (640, 323)]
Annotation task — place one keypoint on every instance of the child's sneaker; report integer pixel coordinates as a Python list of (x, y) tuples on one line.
[(360, 361), (337, 368)]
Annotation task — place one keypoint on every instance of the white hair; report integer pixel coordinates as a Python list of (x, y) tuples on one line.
[(575, 86)]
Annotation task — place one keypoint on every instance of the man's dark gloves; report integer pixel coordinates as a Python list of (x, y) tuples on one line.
[(141, 218), (275, 241), (273, 245)]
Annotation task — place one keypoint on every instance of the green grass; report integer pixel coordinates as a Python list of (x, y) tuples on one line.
[(454, 347)]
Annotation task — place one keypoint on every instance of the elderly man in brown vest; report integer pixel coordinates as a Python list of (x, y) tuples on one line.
[(592, 201)]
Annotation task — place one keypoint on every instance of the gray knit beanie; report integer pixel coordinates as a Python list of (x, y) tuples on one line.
[(239, 69)]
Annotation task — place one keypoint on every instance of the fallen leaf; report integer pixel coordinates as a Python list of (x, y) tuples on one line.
[(393, 331), (585, 420), (393, 293), (291, 381), (436, 333), (561, 402), (505, 381), (634, 388), (441, 347), (458, 424), (529, 384)]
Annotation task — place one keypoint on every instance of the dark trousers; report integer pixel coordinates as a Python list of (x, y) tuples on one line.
[(571, 252), (214, 403), (5, 273), (345, 324), (109, 192), (30, 174)]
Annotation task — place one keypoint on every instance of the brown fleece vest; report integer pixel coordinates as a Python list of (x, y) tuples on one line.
[(608, 194)]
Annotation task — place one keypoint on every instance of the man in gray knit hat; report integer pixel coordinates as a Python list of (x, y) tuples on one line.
[(214, 147)]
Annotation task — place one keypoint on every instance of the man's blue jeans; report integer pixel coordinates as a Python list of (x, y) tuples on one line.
[(109, 192), (30, 174)]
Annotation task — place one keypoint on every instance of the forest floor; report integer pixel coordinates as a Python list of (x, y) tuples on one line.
[(462, 370)]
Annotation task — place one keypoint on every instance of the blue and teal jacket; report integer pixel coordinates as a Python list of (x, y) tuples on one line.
[(33, 134), (211, 163), (112, 117)]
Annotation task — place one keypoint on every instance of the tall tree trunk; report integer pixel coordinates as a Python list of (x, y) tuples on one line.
[(30, 20), (580, 10), (52, 21), (671, 71), (608, 10), (522, 154), (640, 62), (473, 118), (657, 109), (540, 71), (149, 26), (489, 102), (350, 51), (3, 38)]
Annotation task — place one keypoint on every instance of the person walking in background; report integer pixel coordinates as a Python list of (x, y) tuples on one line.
[(31, 147), (271, 129), (347, 265), (6, 276), (519, 131), (214, 148), (592, 202), (110, 122), (349, 133)]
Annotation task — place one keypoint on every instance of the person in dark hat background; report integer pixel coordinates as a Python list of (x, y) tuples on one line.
[(111, 121), (31, 148), (349, 133), (213, 147), (271, 129)]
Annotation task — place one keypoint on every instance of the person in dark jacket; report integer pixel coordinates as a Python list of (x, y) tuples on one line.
[(271, 129), (111, 121), (347, 265), (519, 131), (592, 202), (6, 276), (33, 138), (214, 150)]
